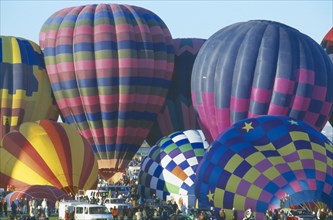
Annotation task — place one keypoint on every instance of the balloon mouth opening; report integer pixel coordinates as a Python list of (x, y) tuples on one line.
[(108, 173)]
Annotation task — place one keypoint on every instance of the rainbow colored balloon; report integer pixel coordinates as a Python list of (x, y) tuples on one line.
[(110, 68), (47, 153), (171, 165), (258, 161), (25, 91), (260, 68), (178, 113)]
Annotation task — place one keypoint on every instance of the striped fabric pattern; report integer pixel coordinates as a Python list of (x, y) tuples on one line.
[(260, 68), (51, 193), (25, 90), (171, 165), (47, 153), (327, 44), (257, 161), (178, 112), (110, 68)]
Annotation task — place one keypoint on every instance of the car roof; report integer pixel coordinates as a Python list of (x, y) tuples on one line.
[(90, 205)]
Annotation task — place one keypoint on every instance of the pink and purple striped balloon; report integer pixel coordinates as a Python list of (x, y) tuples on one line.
[(110, 67)]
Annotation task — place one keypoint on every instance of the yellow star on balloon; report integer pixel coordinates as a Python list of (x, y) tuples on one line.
[(210, 196), (248, 126), (293, 122)]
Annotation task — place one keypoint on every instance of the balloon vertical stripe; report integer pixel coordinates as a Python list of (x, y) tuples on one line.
[(49, 153), (56, 134), (31, 158)]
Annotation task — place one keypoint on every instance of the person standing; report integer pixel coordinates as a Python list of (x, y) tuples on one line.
[(202, 216), (115, 213), (5, 208), (138, 214), (0, 207), (234, 214), (144, 213), (174, 206), (25, 206), (14, 208), (183, 209), (129, 214), (164, 214), (66, 213), (221, 215), (44, 204), (56, 206), (46, 212)]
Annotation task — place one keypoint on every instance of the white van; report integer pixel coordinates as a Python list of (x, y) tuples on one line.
[(92, 211), (67, 205)]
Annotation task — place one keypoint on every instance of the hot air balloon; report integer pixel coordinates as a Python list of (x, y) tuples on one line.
[(257, 162), (110, 68), (38, 192), (327, 44), (178, 113), (25, 91), (47, 153), (260, 68), (171, 164)]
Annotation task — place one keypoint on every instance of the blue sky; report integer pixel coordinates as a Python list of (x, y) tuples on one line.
[(195, 19), (184, 18)]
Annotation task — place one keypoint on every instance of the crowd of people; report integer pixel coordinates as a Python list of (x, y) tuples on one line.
[(145, 209), (34, 208)]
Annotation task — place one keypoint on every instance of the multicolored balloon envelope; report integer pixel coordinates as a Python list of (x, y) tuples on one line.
[(257, 161), (39, 192), (47, 153), (178, 113), (260, 68), (171, 165), (327, 44), (25, 90), (110, 68)]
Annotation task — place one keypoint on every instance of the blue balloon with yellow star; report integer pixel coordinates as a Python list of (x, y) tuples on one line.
[(267, 162)]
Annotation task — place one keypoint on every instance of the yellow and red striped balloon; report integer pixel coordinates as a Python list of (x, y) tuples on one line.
[(47, 153)]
